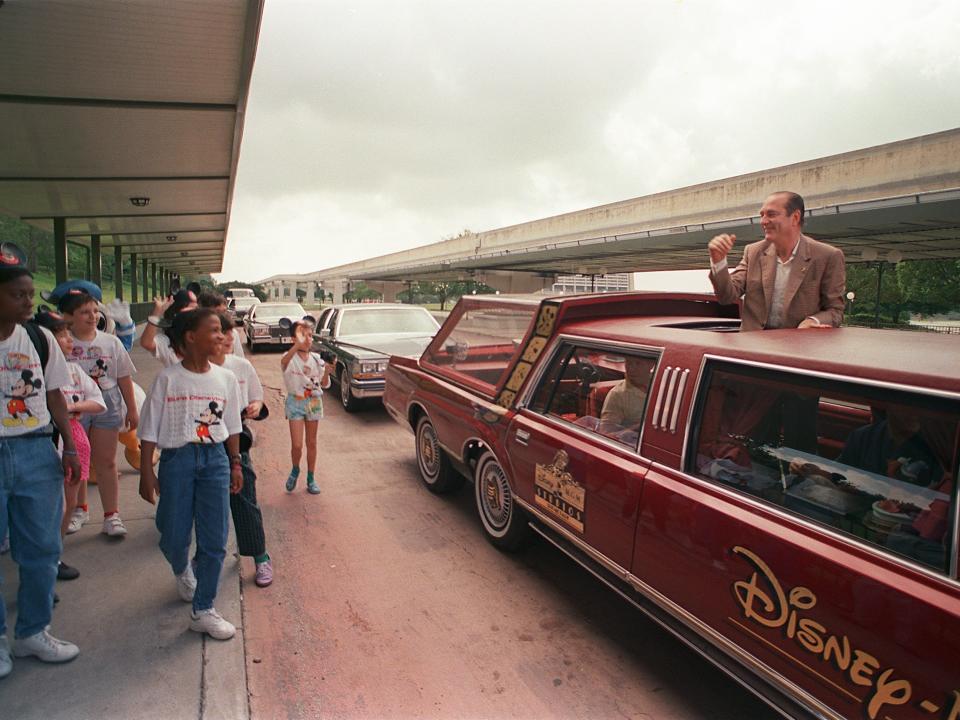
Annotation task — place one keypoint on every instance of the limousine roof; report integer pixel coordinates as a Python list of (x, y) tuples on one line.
[(916, 358)]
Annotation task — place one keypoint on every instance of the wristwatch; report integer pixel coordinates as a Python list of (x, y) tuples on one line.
[(235, 459)]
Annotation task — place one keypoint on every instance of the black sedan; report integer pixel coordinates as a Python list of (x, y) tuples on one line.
[(362, 337), (262, 324)]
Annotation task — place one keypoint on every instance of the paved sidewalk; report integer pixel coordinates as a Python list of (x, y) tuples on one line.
[(137, 656)]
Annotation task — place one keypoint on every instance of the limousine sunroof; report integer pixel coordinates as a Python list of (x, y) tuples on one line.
[(713, 325)]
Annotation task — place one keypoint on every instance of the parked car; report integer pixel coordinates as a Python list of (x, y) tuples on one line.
[(360, 338), (262, 324), (785, 502), (239, 292), (240, 306)]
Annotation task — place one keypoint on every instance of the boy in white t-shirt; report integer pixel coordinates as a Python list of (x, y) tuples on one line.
[(247, 516), (305, 376), (31, 474), (192, 413)]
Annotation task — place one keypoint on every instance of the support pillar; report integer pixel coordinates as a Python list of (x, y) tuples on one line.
[(96, 262), (133, 277), (118, 271), (60, 248), (145, 279), (153, 279)]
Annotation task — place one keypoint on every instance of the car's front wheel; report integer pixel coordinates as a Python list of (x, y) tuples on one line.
[(504, 523), (349, 402), (436, 470)]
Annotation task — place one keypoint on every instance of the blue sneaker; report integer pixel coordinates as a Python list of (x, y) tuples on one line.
[(292, 479), (312, 487)]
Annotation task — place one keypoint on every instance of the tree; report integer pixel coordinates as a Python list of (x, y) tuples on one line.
[(862, 280), (360, 292), (442, 292), (930, 286)]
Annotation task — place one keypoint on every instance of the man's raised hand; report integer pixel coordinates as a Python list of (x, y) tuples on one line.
[(720, 246)]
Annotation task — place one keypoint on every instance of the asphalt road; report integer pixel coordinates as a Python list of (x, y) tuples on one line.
[(389, 603)]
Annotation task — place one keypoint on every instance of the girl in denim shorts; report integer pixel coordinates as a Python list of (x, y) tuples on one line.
[(103, 357), (305, 376)]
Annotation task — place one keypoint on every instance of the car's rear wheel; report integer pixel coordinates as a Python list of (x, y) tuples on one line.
[(436, 470), (504, 523), (349, 402)]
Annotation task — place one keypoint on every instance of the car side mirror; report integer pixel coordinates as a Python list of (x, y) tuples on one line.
[(324, 333)]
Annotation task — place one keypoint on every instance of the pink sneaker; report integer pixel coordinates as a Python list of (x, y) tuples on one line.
[(264, 574)]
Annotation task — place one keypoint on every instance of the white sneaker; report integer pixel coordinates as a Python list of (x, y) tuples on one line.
[(211, 623), (45, 647), (113, 526), (78, 518), (6, 662), (186, 584)]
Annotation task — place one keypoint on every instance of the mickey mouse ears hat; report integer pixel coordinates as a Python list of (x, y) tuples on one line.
[(182, 299), (72, 286), (52, 321), (291, 326), (13, 262)]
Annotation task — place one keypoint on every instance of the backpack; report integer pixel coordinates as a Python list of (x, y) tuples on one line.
[(39, 341)]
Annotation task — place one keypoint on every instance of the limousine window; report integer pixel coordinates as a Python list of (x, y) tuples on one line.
[(481, 344), (603, 391), (877, 464)]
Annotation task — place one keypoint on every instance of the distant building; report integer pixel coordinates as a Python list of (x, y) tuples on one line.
[(577, 284)]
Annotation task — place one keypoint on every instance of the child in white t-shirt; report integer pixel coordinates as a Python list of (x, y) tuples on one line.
[(305, 376), (103, 357), (192, 413), (247, 516), (83, 397)]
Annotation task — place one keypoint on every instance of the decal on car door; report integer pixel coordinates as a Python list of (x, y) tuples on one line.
[(556, 492)]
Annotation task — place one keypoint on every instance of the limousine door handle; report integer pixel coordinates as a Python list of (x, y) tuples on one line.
[(523, 437)]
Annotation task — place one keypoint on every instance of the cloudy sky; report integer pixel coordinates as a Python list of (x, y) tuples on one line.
[(378, 126)]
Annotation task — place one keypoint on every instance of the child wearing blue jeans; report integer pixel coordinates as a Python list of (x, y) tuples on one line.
[(31, 475), (192, 413)]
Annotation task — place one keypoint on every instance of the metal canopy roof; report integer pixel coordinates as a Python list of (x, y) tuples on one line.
[(105, 100)]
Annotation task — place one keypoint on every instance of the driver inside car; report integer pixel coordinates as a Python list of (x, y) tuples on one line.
[(623, 407)]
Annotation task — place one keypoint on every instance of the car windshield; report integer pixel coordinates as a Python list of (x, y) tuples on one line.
[(275, 312), (387, 320)]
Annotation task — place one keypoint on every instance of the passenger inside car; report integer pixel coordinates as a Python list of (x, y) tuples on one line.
[(892, 445), (623, 407), (892, 483)]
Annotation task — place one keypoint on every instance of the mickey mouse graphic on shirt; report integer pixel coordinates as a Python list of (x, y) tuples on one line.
[(311, 386), (209, 417), (24, 388), (98, 371)]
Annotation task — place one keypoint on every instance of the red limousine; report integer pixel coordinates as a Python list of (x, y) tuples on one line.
[(785, 502)]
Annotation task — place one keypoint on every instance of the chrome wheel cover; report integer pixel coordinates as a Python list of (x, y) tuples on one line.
[(345, 394), (495, 496), (428, 452)]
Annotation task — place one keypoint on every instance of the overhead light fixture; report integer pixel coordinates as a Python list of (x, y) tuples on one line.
[(140, 201), (171, 238), (868, 254), (183, 253), (894, 256)]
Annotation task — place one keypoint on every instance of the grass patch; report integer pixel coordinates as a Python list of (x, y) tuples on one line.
[(46, 281)]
